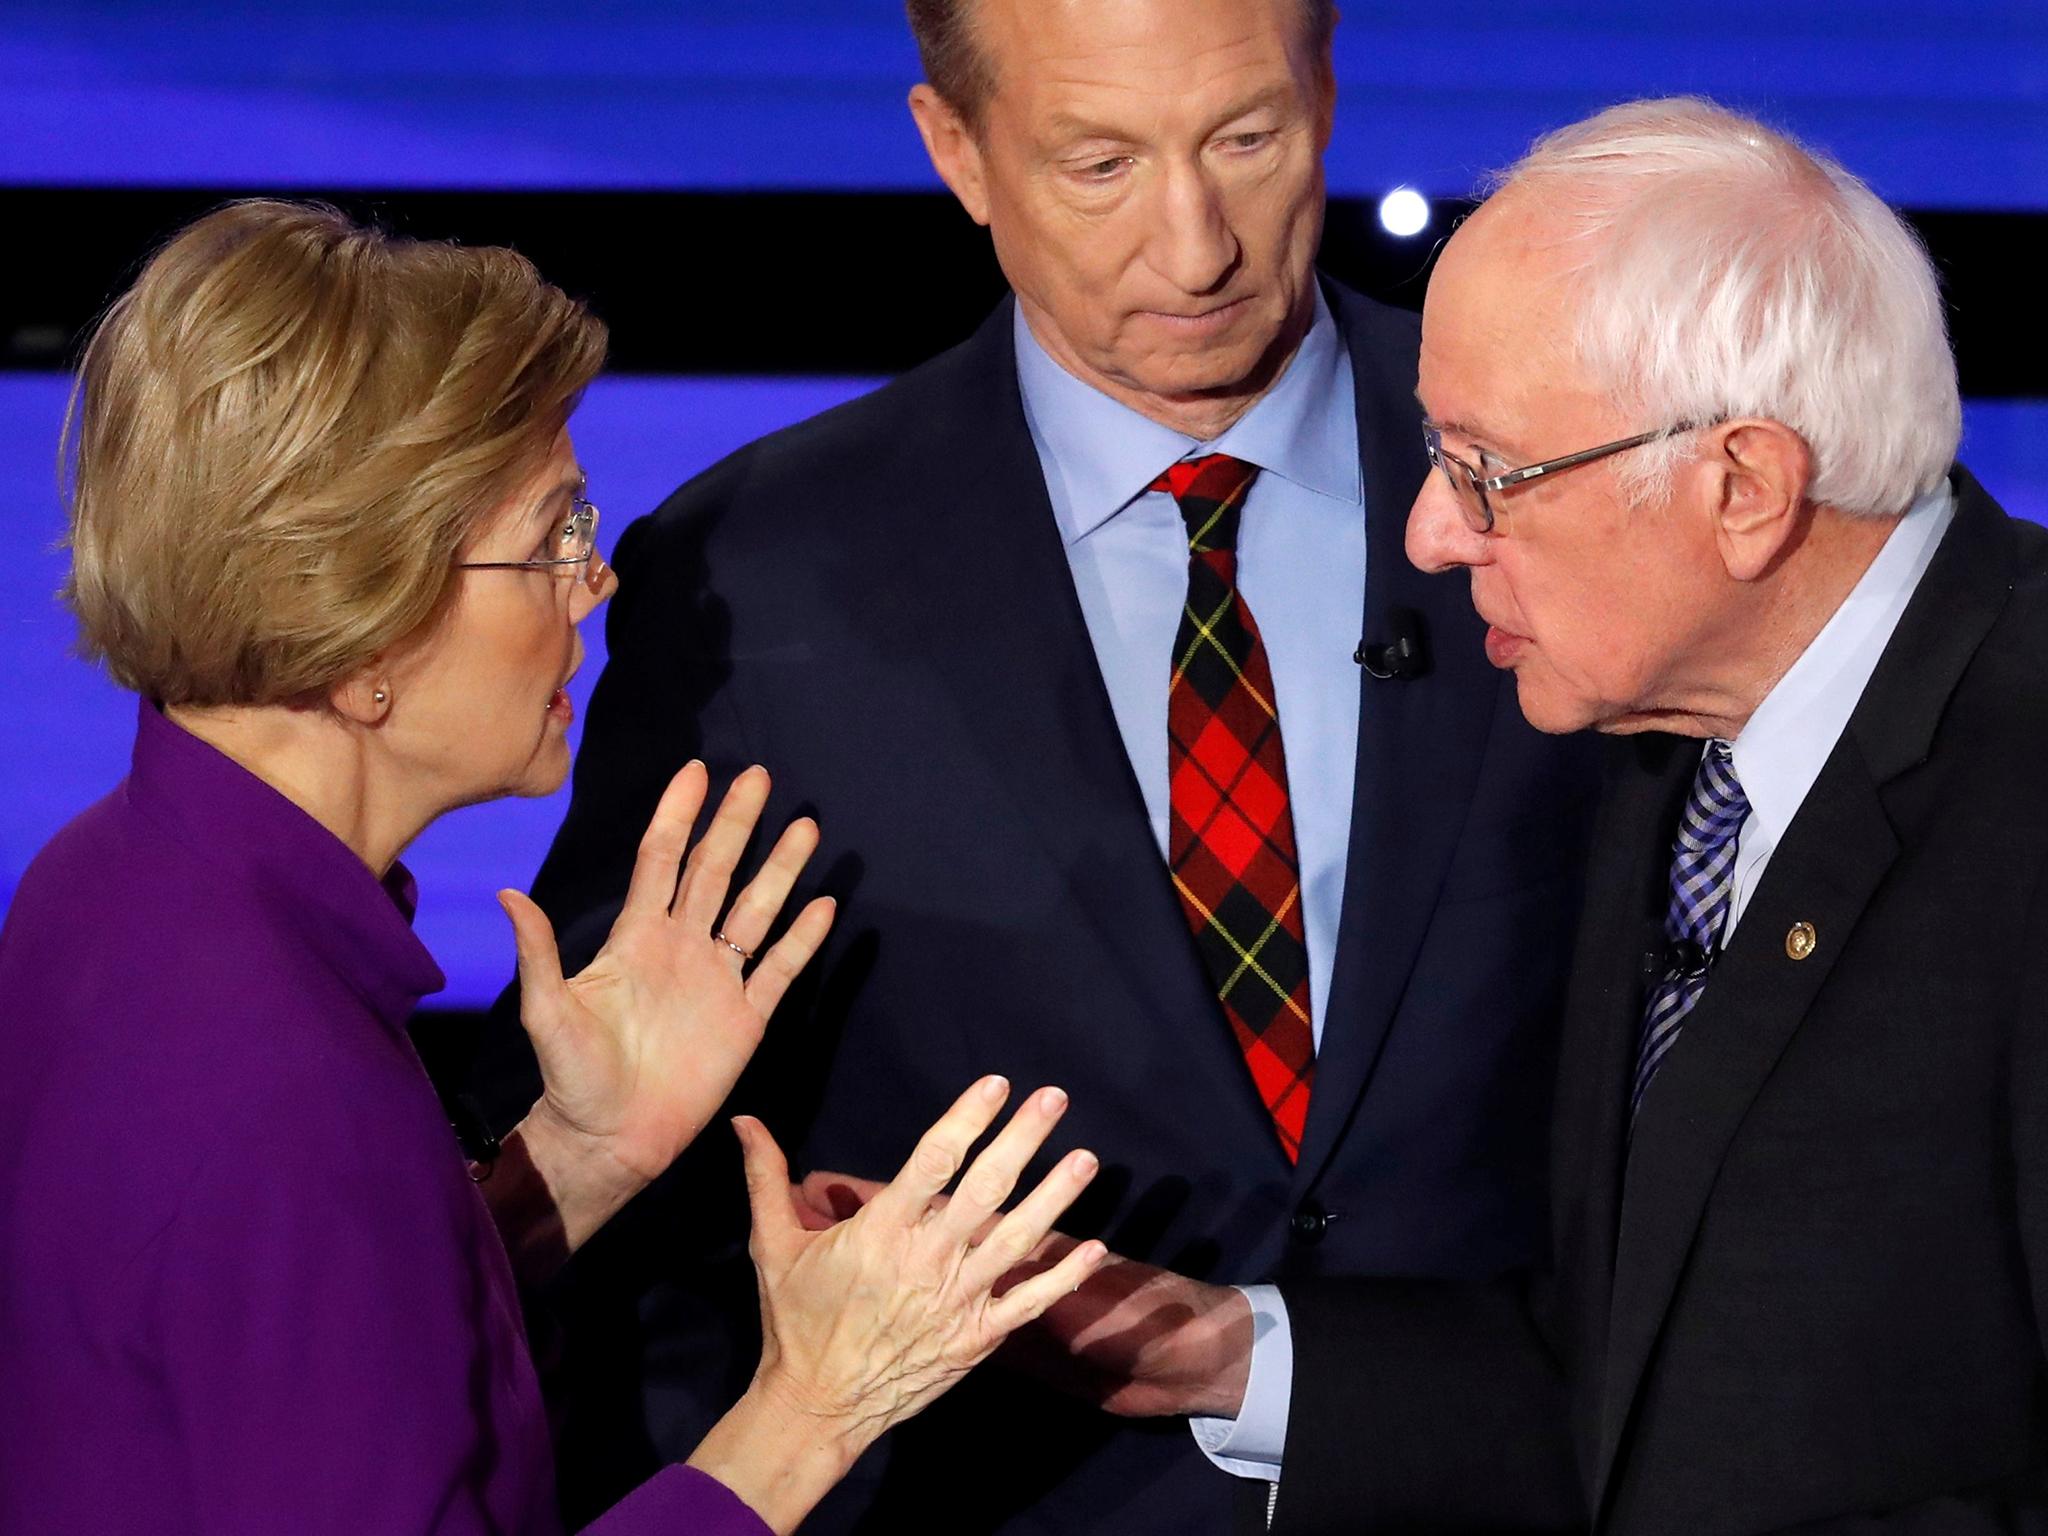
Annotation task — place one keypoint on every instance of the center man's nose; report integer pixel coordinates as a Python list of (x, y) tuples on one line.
[(1194, 246), (1439, 538)]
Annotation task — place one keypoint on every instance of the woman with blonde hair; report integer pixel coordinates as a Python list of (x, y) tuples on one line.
[(327, 522)]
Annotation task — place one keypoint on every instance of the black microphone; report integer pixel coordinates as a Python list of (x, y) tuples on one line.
[(1678, 959), (1403, 656)]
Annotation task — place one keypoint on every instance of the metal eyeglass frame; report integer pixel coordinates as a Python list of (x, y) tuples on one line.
[(1433, 445), (581, 529)]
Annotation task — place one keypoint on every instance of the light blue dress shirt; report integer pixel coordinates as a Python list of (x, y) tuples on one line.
[(1777, 756), (1301, 571)]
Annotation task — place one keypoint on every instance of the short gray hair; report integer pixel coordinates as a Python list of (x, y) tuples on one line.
[(956, 66), (1724, 269)]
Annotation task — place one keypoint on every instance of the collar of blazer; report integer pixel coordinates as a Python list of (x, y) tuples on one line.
[(1825, 870)]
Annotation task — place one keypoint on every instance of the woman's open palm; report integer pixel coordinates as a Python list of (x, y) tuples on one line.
[(640, 1048)]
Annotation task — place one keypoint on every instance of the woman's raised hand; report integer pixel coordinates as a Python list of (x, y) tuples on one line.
[(638, 1051), (865, 1322)]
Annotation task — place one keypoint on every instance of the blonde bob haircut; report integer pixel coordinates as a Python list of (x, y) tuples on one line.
[(282, 436)]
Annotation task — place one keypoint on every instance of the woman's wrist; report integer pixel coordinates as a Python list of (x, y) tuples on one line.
[(549, 1190), (780, 1454)]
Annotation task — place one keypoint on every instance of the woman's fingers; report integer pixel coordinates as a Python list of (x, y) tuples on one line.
[(707, 873), (776, 969), (755, 908), (939, 1154), (993, 1177), (776, 1221), (541, 987), (653, 885), (1028, 1298), (1016, 1236)]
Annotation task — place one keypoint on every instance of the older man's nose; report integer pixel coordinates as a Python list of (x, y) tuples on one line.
[(1194, 246), (1439, 538)]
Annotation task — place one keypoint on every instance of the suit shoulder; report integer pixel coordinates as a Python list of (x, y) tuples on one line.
[(1373, 318), (879, 436), (2022, 627)]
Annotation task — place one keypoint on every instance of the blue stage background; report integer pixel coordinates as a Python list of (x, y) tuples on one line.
[(1941, 105)]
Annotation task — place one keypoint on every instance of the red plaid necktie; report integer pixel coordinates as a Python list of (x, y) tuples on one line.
[(1231, 842)]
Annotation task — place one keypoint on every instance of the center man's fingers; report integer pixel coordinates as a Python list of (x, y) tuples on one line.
[(755, 908), (707, 873), (939, 1154), (657, 865), (994, 1174)]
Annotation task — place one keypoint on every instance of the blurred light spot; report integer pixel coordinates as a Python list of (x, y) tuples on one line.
[(1404, 212)]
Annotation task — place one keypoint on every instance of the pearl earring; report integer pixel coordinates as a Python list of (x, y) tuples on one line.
[(381, 696)]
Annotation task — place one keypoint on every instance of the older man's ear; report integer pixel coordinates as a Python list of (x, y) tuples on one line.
[(955, 151), (1755, 474)]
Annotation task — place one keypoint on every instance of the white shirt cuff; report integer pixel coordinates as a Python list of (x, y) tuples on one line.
[(1251, 1444)]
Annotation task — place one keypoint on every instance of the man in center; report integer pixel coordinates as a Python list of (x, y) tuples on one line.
[(1145, 761)]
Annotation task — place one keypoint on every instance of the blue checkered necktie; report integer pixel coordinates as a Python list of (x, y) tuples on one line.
[(1702, 876)]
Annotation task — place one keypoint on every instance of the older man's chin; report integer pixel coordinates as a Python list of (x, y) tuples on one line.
[(1556, 712), (1556, 717)]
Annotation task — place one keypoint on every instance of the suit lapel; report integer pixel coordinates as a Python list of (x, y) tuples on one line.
[(1621, 922), (1832, 860), (990, 597), (1834, 854), (1420, 743)]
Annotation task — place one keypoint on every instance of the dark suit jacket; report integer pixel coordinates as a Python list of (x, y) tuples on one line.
[(875, 604), (1813, 1290)]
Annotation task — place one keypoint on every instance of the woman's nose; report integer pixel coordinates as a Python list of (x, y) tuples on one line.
[(599, 582)]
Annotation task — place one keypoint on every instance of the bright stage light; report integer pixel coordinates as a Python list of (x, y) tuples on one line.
[(1404, 212)]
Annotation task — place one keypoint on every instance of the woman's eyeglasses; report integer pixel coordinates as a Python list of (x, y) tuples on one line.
[(575, 540)]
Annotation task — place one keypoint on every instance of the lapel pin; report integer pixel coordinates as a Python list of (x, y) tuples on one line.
[(1800, 940)]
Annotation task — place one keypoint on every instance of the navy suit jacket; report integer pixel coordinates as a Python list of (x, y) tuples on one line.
[(875, 603)]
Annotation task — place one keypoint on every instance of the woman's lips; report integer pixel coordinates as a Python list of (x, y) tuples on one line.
[(560, 708)]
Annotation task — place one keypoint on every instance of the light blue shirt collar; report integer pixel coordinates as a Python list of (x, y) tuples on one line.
[(1788, 739), (1105, 454)]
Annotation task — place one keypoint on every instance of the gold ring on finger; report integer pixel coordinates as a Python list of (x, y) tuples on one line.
[(744, 954)]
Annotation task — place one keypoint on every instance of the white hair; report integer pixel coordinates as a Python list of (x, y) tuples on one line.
[(1724, 270)]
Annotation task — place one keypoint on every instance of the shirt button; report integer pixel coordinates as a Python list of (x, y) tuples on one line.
[(1309, 1222)]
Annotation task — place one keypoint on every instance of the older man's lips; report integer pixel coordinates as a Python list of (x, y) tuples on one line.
[(1502, 648), (1198, 323)]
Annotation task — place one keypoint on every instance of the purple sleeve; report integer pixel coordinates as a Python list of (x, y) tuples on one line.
[(340, 1347), (680, 1501)]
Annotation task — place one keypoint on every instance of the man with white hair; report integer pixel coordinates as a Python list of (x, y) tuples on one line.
[(1694, 417)]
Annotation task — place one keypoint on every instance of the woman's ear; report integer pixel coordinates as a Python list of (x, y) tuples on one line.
[(365, 697)]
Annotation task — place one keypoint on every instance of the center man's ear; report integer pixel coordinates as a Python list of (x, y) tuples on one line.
[(955, 151), (1326, 105), (1758, 472)]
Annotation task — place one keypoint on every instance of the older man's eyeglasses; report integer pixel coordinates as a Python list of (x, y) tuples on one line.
[(569, 550), (1474, 490)]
